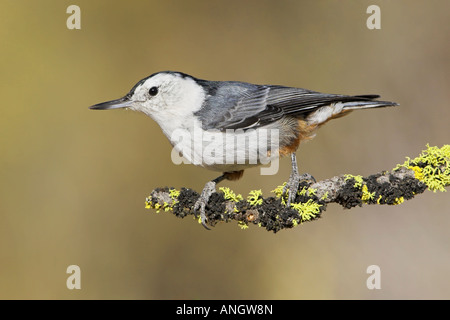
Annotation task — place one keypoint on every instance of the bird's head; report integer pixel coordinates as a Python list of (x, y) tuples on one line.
[(161, 96)]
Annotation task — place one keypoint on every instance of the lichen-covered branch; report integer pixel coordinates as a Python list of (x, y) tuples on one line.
[(430, 170)]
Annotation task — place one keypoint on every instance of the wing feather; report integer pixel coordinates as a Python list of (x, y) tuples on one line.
[(238, 105)]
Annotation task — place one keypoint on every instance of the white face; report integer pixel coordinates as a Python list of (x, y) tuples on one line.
[(169, 98), (166, 96)]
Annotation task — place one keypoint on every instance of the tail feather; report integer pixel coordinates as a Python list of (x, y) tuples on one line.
[(341, 108), (364, 104), (367, 96)]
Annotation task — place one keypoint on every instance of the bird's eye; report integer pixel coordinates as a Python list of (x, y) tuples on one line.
[(153, 91)]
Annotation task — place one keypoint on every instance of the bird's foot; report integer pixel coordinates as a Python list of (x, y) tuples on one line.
[(293, 183), (208, 190)]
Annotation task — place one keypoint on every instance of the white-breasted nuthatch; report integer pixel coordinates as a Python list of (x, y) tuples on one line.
[(177, 101)]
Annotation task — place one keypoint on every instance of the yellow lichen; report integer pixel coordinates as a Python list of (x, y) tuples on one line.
[(302, 192), (434, 168), (148, 203), (279, 193), (166, 206), (174, 193), (279, 190), (366, 195), (229, 194), (255, 197), (312, 191), (418, 172), (379, 199), (242, 225), (358, 180), (308, 210)]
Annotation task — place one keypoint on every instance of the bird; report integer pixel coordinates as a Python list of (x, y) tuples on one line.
[(221, 110)]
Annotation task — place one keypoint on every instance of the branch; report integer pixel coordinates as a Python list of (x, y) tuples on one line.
[(430, 170)]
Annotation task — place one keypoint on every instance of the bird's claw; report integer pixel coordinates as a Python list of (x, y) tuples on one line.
[(292, 185), (201, 204), (208, 190)]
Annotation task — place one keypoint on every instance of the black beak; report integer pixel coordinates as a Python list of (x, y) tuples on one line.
[(114, 104)]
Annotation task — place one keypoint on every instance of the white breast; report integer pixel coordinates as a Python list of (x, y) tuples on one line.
[(232, 150)]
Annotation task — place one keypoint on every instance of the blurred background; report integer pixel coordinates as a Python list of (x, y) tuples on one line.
[(73, 181)]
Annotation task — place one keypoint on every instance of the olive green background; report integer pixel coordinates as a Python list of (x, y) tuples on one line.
[(73, 181)]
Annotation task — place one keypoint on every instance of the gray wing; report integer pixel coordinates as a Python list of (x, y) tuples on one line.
[(232, 105), (244, 106), (244, 112)]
